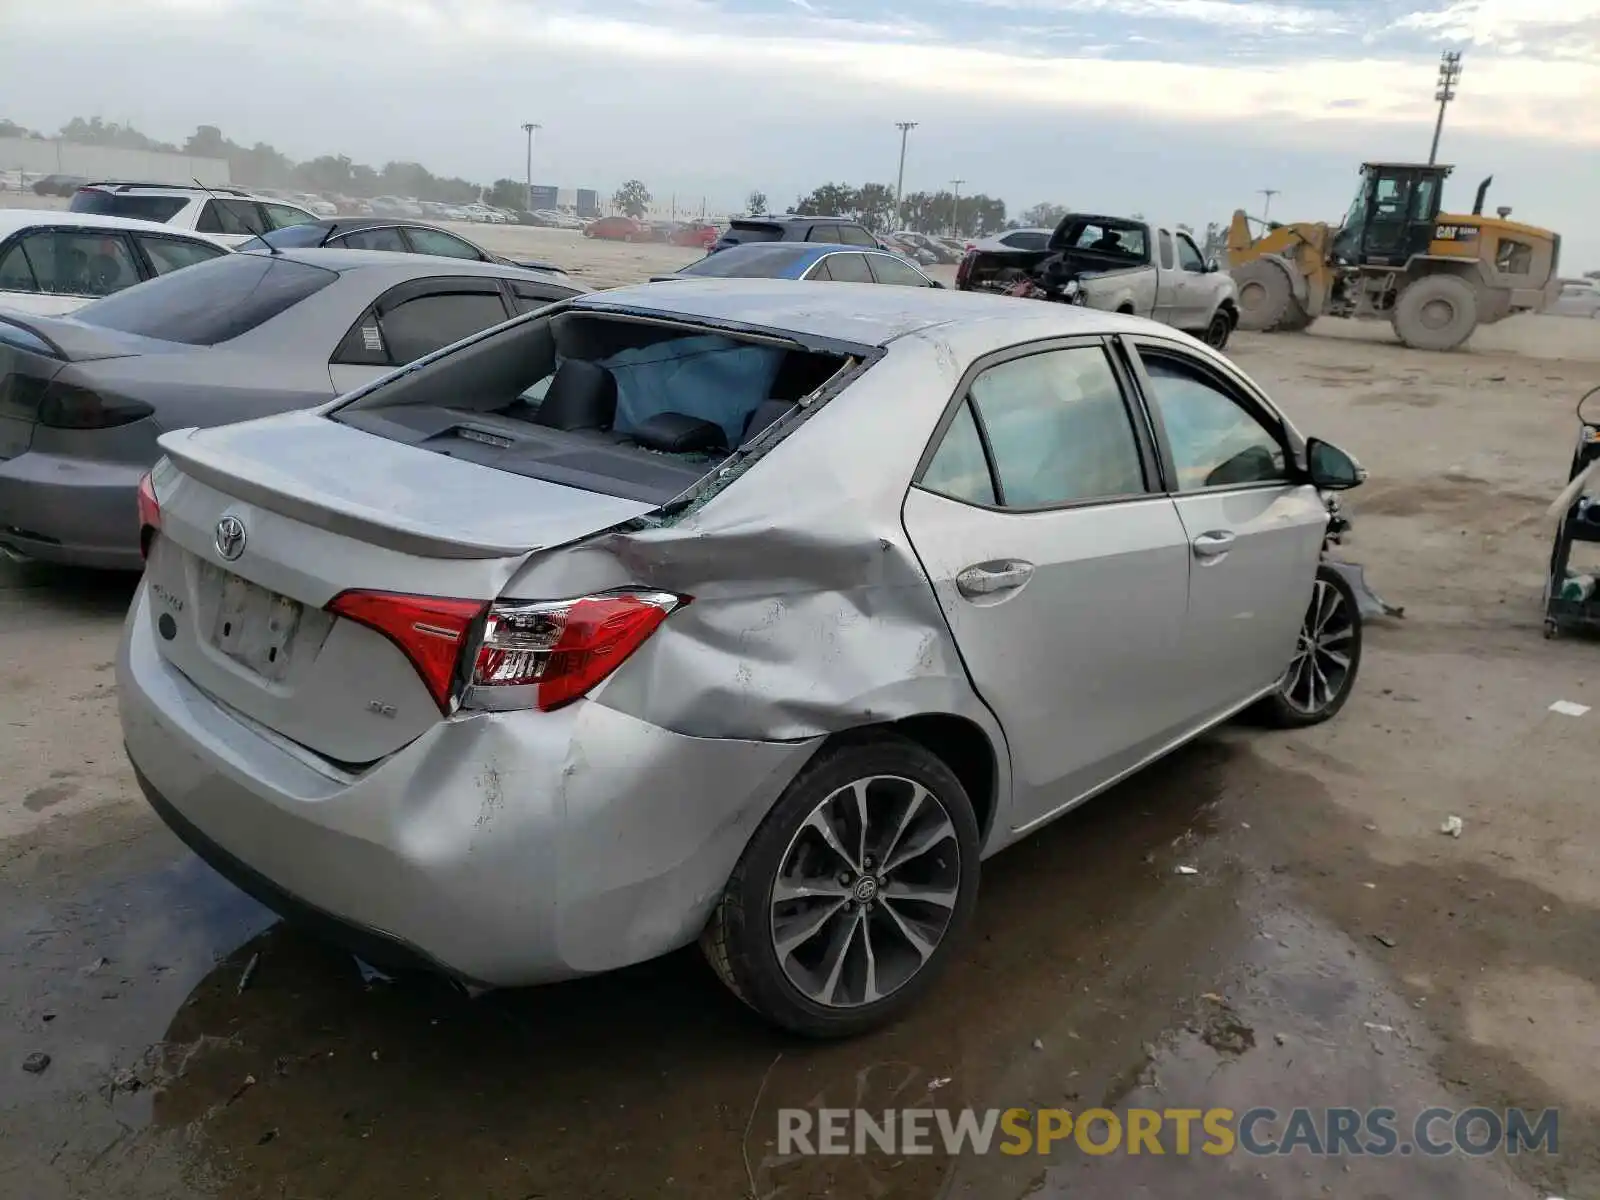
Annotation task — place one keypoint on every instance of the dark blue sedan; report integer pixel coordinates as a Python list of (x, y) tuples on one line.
[(805, 260)]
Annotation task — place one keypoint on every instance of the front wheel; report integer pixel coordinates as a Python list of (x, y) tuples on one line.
[(852, 892), (1327, 657), (1220, 329)]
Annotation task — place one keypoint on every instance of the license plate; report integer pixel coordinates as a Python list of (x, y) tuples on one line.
[(253, 626)]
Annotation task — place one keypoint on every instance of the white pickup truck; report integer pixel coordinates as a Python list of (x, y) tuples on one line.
[(1120, 265)]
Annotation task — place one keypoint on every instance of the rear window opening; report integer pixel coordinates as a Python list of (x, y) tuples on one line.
[(637, 408), (103, 203), (210, 302)]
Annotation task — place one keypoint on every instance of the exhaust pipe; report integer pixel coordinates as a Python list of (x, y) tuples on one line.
[(1483, 190)]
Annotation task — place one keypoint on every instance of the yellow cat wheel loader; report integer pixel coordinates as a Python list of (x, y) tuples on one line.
[(1433, 276)]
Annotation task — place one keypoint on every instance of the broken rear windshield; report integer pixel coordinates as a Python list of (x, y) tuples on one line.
[(640, 409)]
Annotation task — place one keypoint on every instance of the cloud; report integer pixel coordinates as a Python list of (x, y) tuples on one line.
[(1178, 105)]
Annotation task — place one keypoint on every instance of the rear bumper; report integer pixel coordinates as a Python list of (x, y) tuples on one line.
[(71, 511), (501, 848)]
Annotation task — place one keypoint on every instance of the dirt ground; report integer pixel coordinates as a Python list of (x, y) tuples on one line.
[(1332, 948)]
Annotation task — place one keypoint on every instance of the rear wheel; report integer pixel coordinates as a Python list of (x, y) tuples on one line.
[(1436, 312), (1266, 298), (851, 893), (1326, 660)]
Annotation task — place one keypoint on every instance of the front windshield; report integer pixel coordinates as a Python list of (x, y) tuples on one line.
[(1347, 241)]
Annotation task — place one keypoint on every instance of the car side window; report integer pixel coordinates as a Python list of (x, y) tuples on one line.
[(70, 263), (171, 254), (849, 268), (1058, 427), (1215, 440), (1166, 251), (892, 270), (1188, 256), (436, 241), (231, 217), (281, 216), (529, 296), (959, 468), (820, 270), (854, 235), (385, 237), (15, 274), (427, 323), (823, 233)]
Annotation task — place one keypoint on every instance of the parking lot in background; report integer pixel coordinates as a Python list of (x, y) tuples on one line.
[(1331, 946)]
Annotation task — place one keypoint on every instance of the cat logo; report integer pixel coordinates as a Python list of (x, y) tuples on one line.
[(1455, 233)]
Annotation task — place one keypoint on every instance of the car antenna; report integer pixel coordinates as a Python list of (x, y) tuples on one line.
[(261, 234)]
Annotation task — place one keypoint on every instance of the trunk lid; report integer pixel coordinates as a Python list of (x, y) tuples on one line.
[(323, 509)]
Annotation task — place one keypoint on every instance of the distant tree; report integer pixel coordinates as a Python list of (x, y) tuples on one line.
[(12, 130), (873, 206), (756, 202), (937, 212), (1591, 274), (508, 193), (632, 199), (205, 142), (829, 200), (1044, 215)]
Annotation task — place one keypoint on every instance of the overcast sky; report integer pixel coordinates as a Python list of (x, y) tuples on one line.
[(1182, 108)]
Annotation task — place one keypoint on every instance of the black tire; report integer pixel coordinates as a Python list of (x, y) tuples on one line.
[(1219, 331), (1284, 709), (1436, 312), (739, 939), (1266, 297)]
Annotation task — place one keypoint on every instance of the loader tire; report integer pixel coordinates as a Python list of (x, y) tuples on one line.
[(1437, 312), (1266, 298)]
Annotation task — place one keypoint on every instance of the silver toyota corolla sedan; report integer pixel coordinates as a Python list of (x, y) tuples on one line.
[(743, 611)]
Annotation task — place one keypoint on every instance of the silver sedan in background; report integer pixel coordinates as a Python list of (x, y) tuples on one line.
[(84, 398), (750, 612)]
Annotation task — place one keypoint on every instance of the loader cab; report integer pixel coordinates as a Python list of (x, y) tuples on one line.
[(1393, 216)]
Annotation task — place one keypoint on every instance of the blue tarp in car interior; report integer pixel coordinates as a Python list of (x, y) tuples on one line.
[(714, 378)]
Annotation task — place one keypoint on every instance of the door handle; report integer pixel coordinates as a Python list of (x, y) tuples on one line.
[(1213, 544), (985, 579)]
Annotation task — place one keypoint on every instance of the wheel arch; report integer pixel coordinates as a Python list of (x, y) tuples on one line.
[(961, 743)]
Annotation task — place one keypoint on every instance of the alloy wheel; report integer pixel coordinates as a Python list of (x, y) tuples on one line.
[(866, 891), (1320, 669)]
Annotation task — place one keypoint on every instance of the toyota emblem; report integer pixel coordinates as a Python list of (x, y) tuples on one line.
[(230, 538)]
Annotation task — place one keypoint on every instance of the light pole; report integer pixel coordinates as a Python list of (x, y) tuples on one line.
[(1449, 73), (955, 207), (905, 127), (528, 128), (1269, 193)]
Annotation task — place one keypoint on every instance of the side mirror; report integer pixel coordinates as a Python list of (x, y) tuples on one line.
[(1331, 468), (1212, 266)]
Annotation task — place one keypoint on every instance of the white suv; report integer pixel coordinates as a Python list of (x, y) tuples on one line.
[(229, 214)]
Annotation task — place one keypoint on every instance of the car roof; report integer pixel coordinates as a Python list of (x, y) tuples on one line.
[(14, 219), (792, 219), (405, 265), (859, 313)]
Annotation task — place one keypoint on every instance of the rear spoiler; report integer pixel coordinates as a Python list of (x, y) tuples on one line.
[(66, 339)]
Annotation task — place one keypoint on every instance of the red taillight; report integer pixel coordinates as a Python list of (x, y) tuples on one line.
[(564, 648), (149, 513), (429, 630), (560, 648)]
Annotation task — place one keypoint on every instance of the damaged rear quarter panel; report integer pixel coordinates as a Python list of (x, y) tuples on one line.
[(811, 613)]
